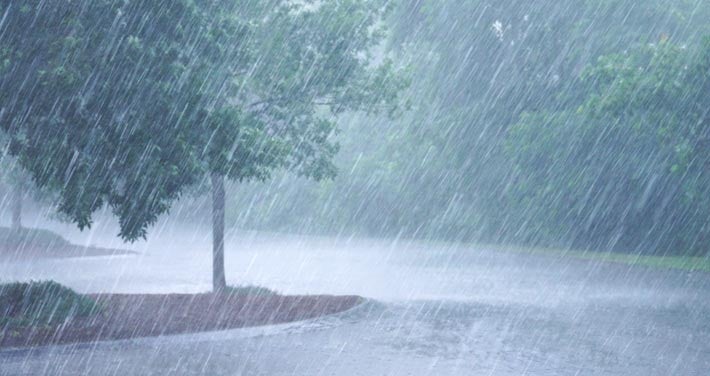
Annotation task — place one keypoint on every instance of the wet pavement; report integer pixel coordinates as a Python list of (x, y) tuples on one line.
[(432, 309)]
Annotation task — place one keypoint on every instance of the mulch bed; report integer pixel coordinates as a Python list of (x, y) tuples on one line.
[(134, 316)]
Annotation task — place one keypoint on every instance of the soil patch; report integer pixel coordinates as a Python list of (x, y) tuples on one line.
[(134, 316)]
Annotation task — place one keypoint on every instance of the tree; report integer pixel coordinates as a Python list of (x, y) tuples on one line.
[(472, 85), (17, 189), (627, 169), (17, 196), (494, 61), (109, 102), (76, 90), (311, 63), (183, 90)]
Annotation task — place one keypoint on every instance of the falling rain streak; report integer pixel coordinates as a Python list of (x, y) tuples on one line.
[(354, 187)]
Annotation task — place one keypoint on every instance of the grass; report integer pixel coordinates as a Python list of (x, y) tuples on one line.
[(250, 291), (689, 263), (41, 303), (30, 237)]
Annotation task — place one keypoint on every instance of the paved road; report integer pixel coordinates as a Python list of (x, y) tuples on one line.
[(433, 309)]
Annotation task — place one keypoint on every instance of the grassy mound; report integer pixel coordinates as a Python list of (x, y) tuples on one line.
[(30, 237), (250, 291), (41, 303)]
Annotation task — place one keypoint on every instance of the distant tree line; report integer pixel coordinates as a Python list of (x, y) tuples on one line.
[(573, 123), (577, 123), (628, 167)]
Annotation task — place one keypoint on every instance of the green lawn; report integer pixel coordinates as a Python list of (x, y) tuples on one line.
[(250, 290), (30, 237)]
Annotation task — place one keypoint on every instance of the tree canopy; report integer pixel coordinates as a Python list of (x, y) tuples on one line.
[(485, 69), (128, 104), (628, 168)]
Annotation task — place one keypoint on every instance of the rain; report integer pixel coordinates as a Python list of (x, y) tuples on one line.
[(354, 187)]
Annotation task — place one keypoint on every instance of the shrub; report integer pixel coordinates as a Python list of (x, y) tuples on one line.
[(41, 303)]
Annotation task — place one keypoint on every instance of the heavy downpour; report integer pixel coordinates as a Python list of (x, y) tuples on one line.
[(355, 187)]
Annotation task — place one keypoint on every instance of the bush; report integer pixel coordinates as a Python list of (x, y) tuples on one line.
[(41, 303)]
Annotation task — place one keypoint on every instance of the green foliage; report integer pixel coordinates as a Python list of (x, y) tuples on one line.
[(500, 143), (12, 177), (129, 104), (73, 110), (41, 303), (629, 168)]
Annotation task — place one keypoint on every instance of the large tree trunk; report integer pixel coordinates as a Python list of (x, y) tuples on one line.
[(219, 283), (17, 207)]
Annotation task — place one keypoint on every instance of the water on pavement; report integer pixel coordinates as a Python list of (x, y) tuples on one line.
[(432, 309)]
